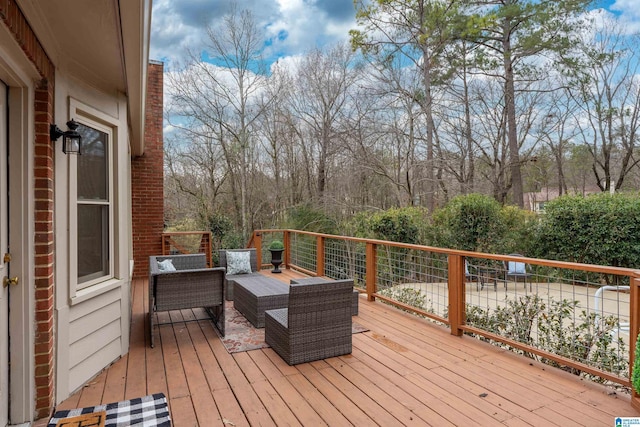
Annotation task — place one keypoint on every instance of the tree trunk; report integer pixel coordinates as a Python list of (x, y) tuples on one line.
[(428, 110), (512, 133), (469, 179)]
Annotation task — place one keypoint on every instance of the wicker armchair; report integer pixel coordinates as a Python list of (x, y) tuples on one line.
[(192, 285), (316, 325), (253, 258)]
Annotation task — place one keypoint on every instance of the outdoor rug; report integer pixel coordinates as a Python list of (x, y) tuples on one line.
[(240, 335), (148, 411)]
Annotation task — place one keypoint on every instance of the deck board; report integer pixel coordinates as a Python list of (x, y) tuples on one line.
[(403, 371), (116, 381), (349, 410)]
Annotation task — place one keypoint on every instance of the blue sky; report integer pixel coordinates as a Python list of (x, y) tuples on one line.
[(607, 3), (292, 27)]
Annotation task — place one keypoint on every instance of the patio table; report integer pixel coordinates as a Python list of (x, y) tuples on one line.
[(252, 295)]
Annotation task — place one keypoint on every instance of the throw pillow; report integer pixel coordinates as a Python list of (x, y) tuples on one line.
[(166, 265), (238, 262)]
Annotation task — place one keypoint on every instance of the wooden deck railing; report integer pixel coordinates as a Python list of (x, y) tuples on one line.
[(438, 278), (634, 330), (187, 242)]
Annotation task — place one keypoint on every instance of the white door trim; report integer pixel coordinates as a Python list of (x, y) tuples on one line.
[(4, 266), (21, 220)]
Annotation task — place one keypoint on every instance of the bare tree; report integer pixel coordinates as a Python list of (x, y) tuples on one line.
[(288, 159), (556, 129), (396, 147), (320, 103), (194, 175), (459, 157), (220, 103), (607, 89)]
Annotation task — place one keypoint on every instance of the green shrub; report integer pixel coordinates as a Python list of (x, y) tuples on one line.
[(276, 245), (518, 234), (598, 229), (408, 296), (357, 226), (635, 376), (471, 222), (404, 225), (223, 234), (557, 328)]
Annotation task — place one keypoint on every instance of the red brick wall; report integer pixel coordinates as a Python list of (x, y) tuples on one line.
[(147, 190), (44, 256), (15, 20)]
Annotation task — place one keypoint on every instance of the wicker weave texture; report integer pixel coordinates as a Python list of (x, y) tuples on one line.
[(255, 295), (189, 289), (253, 259), (316, 325), (192, 285), (182, 262), (356, 294)]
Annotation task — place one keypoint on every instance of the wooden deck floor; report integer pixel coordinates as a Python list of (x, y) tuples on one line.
[(404, 371)]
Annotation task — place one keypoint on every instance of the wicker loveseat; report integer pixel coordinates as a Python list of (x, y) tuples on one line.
[(231, 278), (192, 285), (316, 325)]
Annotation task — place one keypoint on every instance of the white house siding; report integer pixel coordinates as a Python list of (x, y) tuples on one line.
[(95, 337), (92, 323)]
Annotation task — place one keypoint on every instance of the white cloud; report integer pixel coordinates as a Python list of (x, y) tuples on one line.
[(291, 26), (629, 14), (627, 7), (626, 24)]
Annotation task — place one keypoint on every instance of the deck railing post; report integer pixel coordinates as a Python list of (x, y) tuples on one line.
[(371, 268), (456, 294), (257, 242), (286, 240), (634, 329), (319, 256), (205, 247)]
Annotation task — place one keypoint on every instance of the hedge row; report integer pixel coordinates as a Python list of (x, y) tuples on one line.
[(598, 229)]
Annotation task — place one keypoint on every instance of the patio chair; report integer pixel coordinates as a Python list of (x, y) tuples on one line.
[(316, 325), (517, 270), (186, 284), (473, 277)]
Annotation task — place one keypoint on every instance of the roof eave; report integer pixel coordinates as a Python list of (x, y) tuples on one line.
[(135, 20)]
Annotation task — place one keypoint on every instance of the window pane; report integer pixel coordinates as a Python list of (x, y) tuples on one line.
[(93, 232), (92, 165)]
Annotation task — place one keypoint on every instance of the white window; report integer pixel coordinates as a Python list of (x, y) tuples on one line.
[(94, 205), (92, 210)]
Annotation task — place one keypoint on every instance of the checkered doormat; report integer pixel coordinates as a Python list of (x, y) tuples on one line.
[(144, 411)]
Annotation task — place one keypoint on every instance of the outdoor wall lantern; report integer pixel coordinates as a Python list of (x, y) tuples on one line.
[(71, 139)]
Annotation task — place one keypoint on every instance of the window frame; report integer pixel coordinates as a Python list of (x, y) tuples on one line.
[(92, 118)]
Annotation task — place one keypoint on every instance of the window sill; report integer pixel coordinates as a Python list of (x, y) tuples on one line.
[(95, 290)]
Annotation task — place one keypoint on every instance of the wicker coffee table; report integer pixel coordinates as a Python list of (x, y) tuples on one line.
[(252, 295)]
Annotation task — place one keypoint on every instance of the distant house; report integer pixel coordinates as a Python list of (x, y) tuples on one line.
[(68, 226), (536, 201)]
